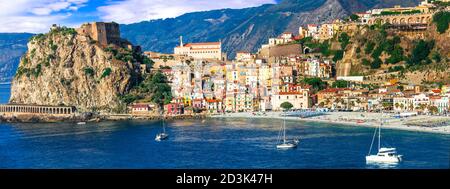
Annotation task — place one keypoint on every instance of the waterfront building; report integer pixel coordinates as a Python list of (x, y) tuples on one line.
[(214, 106), (297, 95), (441, 103), (174, 109), (141, 108)]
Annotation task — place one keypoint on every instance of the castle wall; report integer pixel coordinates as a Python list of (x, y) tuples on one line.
[(104, 33)]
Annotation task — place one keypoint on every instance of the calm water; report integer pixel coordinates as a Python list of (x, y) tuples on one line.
[(212, 143)]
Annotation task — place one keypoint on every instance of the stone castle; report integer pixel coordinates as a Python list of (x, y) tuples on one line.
[(105, 33)]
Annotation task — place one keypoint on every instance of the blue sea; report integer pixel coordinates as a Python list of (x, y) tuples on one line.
[(209, 143)]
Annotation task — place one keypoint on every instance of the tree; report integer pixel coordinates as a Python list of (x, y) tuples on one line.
[(365, 62), (442, 20), (340, 84), (338, 55), (160, 90), (436, 57), (376, 63), (354, 17), (315, 82), (369, 47), (433, 109), (286, 106), (322, 104), (420, 52), (344, 39)]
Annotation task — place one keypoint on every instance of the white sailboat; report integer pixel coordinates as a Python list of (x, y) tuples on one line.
[(384, 155), (163, 135), (286, 144)]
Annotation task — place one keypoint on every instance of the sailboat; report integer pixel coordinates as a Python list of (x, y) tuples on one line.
[(163, 135), (384, 155), (286, 144)]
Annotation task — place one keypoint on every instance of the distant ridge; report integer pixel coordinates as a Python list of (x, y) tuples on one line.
[(245, 29)]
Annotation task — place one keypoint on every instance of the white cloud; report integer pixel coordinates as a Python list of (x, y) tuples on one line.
[(131, 11), (35, 16)]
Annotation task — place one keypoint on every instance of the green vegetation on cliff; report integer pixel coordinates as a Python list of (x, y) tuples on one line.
[(442, 20), (420, 53), (154, 88)]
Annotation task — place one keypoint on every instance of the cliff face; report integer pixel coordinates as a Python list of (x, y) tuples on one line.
[(354, 55), (64, 68)]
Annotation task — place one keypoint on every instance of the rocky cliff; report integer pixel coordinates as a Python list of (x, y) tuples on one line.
[(394, 50), (64, 68)]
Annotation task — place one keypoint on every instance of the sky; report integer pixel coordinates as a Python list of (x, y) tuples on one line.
[(36, 16)]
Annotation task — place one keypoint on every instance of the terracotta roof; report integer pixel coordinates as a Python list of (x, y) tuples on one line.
[(289, 93), (212, 100), (204, 43), (331, 90), (436, 91), (140, 106)]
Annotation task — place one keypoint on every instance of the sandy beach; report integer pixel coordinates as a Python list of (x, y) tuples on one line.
[(421, 123)]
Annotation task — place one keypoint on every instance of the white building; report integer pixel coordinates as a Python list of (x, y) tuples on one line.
[(441, 103), (208, 50), (284, 38)]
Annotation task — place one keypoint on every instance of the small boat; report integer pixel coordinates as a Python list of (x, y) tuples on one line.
[(286, 144), (81, 123), (163, 135), (384, 155)]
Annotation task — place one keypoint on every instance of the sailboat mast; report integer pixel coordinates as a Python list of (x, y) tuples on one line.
[(284, 129), (379, 133), (164, 127)]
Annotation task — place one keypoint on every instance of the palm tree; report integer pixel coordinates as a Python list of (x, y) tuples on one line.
[(411, 107), (397, 105)]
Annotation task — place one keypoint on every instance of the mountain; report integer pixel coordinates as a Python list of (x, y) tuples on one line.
[(12, 47), (245, 29)]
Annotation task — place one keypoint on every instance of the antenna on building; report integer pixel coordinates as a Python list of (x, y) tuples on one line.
[(181, 41)]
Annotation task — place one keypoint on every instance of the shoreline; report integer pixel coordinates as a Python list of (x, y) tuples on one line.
[(352, 119), (371, 120)]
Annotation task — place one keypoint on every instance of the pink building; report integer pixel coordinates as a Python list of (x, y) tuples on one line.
[(174, 109)]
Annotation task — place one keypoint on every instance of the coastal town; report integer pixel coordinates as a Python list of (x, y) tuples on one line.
[(206, 81), (203, 80)]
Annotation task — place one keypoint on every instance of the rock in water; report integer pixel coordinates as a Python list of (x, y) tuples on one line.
[(64, 67)]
